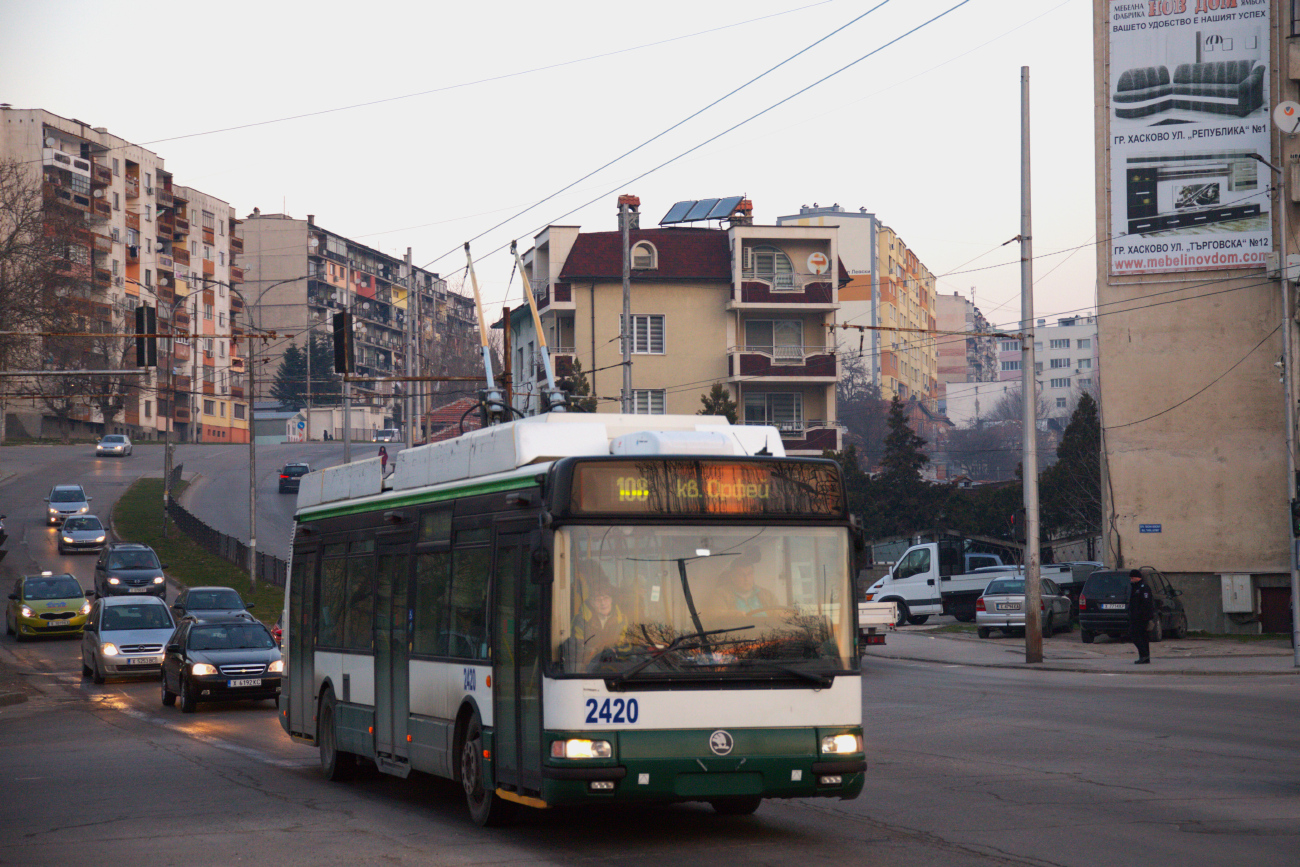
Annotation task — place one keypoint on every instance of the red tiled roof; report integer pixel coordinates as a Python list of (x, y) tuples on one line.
[(684, 254), (444, 422)]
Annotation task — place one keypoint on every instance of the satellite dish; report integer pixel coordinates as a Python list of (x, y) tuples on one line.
[(51, 141), (99, 194)]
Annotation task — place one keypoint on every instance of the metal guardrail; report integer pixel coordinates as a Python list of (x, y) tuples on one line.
[(270, 569)]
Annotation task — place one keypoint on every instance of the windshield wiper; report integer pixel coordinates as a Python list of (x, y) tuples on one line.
[(632, 672), (819, 679)]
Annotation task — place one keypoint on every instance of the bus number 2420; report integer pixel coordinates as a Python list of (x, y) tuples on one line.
[(612, 711)]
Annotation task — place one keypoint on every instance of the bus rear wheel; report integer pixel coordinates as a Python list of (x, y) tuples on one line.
[(485, 807), (736, 806), (337, 765)]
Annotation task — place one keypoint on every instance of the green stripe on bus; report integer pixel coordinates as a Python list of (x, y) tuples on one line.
[(316, 513)]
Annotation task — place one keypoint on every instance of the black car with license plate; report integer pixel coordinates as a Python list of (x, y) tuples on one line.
[(129, 567), (228, 658), (291, 476), (1103, 605)]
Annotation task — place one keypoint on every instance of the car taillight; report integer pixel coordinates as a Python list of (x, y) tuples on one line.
[(283, 476), (1083, 602), (979, 604)]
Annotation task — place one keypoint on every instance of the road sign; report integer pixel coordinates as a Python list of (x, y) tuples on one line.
[(1149, 528)]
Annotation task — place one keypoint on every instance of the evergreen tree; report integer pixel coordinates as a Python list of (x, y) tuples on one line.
[(904, 502), (575, 385), (1070, 490), (718, 402), (290, 383)]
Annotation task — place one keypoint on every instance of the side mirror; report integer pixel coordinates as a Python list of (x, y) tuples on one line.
[(173, 648), (90, 594), (13, 596), (162, 565), (1176, 592), (250, 605), (88, 499)]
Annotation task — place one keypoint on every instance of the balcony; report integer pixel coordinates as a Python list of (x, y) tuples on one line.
[(100, 210), (806, 436), (182, 413), (237, 366), (803, 362), (236, 244), (165, 262), (236, 274), (103, 243), (165, 294), (58, 195), (103, 278), (236, 392), (164, 196), (132, 188), (236, 304), (181, 224), (208, 236), (181, 256), (166, 228), (182, 319), (132, 220), (100, 176), (133, 254), (209, 268), (794, 288)]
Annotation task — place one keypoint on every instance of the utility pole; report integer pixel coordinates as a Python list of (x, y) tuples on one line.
[(311, 340), (624, 225), (1028, 385), (408, 402)]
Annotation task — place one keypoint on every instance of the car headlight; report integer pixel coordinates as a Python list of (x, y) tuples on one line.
[(158, 579), (26, 611), (67, 538), (108, 649), (581, 749), (841, 744), (83, 509), (85, 609), (54, 510), (115, 581), (275, 667), (201, 668), (100, 538)]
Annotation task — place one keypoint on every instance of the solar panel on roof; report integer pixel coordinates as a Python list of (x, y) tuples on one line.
[(724, 207), (677, 212), (701, 210)]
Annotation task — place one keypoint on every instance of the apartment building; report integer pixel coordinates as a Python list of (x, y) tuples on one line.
[(1066, 363), (301, 273), (889, 287), (145, 241), (963, 361), (748, 306)]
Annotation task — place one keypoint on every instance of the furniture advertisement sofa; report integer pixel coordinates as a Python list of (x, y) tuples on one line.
[(1232, 87)]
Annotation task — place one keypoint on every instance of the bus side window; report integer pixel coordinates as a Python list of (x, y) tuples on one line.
[(469, 600), (432, 581), (333, 603)]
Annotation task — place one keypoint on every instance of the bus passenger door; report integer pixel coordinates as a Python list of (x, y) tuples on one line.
[(391, 673), (300, 644), (517, 743)]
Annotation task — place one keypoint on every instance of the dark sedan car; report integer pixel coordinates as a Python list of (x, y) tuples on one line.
[(129, 567), (222, 659), (1103, 605), (291, 476), (207, 602)]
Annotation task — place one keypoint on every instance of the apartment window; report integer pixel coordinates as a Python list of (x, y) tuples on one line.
[(148, 214), (1084, 362), (117, 202), (221, 290), (209, 407), (148, 245), (207, 252), (1085, 342), (772, 265), (116, 266), (1011, 365), (519, 364), (1060, 403), (221, 349), (1038, 367), (148, 277), (1061, 383), (207, 345), (117, 168), (780, 338), (1060, 362), (148, 409), (1038, 346), (783, 410), (221, 257), (221, 318), (1061, 343), (80, 184), (117, 234), (647, 401), (237, 411), (209, 220), (207, 313), (644, 256), (1085, 383), (648, 334), (1011, 346), (221, 409), (194, 248)]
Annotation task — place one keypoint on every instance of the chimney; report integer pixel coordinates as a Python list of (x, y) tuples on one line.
[(311, 219), (744, 214), (633, 211)]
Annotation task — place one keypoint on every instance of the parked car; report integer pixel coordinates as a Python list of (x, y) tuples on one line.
[(291, 476), (229, 658), (1103, 605), (46, 604), (277, 631), (63, 502), (205, 602), (114, 444), (1003, 607), (129, 567), (125, 636), (82, 533)]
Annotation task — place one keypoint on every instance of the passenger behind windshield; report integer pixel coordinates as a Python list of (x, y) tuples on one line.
[(124, 617), (234, 636), (600, 627)]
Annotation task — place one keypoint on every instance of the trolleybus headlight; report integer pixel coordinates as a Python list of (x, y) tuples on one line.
[(840, 744), (581, 749), (201, 668), (275, 667)]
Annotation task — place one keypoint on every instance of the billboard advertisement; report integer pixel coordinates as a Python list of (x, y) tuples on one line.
[(1189, 119)]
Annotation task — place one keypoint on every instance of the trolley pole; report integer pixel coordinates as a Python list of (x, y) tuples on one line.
[(1028, 385), (624, 225)]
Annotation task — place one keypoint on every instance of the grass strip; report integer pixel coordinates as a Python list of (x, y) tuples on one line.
[(137, 518)]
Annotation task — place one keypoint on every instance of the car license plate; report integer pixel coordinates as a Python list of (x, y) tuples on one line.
[(1114, 606), (58, 623), (138, 589), (247, 681), (145, 660), (1008, 606)]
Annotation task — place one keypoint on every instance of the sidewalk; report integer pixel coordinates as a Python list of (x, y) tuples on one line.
[(1211, 657)]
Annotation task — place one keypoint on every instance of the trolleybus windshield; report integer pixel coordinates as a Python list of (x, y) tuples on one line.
[(672, 601)]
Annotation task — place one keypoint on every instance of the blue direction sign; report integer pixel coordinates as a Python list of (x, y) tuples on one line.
[(1148, 528)]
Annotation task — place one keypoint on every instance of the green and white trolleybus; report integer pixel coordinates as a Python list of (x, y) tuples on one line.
[(575, 609)]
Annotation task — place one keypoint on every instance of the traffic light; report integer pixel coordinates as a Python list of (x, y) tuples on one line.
[(343, 353), (1018, 525), (146, 343)]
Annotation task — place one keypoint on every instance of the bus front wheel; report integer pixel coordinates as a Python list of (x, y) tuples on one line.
[(485, 807), (736, 806), (336, 764)]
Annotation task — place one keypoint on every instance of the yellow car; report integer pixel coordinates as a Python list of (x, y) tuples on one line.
[(46, 604)]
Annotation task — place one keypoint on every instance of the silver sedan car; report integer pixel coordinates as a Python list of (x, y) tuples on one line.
[(125, 635), (1003, 607), (81, 533), (114, 444)]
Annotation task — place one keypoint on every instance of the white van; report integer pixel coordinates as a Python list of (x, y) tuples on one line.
[(387, 435)]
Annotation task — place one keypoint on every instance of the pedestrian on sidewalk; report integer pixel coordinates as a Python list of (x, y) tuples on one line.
[(383, 460), (1140, 611)]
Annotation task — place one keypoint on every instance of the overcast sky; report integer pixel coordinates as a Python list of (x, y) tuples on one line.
[(425, 124)]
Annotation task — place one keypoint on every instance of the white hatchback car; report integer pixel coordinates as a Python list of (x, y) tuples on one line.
[(114, 444), (125, 636)]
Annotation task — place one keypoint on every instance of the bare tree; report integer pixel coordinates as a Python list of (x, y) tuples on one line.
[(1011, 407), (860, 409)]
